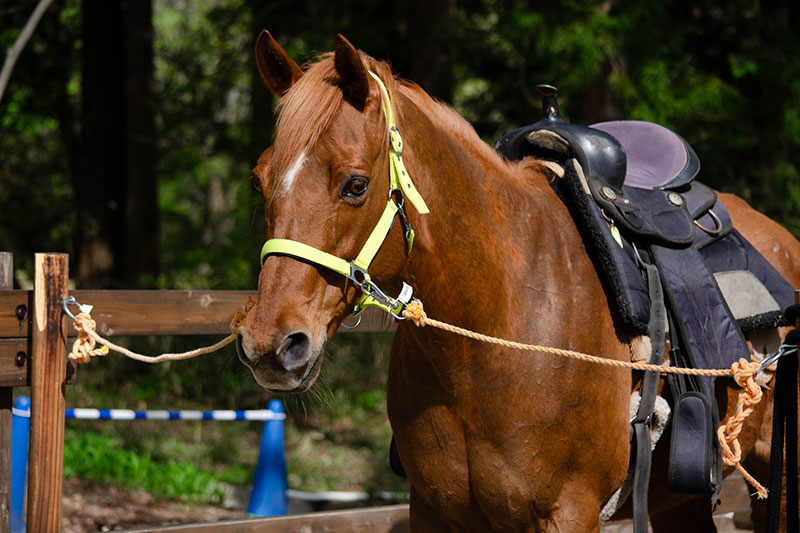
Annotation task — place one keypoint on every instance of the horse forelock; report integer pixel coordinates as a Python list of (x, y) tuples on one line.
[(305, 112)]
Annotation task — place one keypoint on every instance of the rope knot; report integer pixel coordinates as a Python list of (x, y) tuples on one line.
[(238, 318), (84, 346), (744, 373), (415, 312)]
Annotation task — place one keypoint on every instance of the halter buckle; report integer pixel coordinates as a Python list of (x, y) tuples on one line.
[(408, 231), (358, 276), (396, 140)]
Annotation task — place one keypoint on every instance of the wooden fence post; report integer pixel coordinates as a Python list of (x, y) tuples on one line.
[(6, 399), (48, 376)]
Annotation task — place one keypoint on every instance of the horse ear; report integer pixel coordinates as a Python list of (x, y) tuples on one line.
[(277, 69), (352, 71)]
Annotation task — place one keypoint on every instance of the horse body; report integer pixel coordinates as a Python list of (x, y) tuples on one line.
[(502, 439), (491, 438)]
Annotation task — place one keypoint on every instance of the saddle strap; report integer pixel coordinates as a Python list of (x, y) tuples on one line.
[(784, 431), (649, 391)]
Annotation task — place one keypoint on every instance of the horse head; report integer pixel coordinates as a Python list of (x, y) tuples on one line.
[(324, 184)]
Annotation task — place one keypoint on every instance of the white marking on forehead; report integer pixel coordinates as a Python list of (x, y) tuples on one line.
[(291, 174)]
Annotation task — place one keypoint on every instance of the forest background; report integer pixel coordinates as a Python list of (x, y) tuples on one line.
[(128, 130)]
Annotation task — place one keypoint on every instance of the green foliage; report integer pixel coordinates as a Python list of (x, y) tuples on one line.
[(100, 457)]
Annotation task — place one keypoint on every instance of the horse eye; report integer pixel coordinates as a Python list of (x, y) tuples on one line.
[(355, 187), (256, 184)]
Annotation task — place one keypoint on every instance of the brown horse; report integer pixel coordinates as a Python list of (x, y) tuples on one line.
[(491, 439)]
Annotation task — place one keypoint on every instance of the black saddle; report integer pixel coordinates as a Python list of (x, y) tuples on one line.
[(631, 168)]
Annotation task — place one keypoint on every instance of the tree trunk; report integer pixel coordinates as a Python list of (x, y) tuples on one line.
[(115, 186), (99, 185), (141, 220)]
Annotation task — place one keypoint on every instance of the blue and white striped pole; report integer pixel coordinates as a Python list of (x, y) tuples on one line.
[(129, 414), (269, 494), (20, 431)]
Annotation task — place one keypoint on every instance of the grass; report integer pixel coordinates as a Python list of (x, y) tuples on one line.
[(100, 457)]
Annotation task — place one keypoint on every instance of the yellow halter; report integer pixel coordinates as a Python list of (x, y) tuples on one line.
[(400, 185)]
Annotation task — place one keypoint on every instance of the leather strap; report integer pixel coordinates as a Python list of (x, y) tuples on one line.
[(784, 431), (649, 391)]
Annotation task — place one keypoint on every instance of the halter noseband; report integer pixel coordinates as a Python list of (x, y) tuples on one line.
[(400, 186)]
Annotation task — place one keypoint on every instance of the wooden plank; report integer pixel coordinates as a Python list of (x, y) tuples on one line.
[(385, 519), (48, 375), (162, 313), (6, 403), (11, 374), (10, 301)]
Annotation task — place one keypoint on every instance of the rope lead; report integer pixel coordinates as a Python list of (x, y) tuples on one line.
[(84, 347)]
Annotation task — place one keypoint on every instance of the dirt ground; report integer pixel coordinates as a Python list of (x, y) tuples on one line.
[(91, 507)]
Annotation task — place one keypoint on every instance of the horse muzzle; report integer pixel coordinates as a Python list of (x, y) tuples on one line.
[(289, 363)]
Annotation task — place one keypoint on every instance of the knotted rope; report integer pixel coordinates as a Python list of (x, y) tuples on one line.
[(84, 347), (743, 372), (728, 434)]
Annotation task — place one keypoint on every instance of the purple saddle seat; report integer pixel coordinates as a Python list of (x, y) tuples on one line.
[(657, 158)]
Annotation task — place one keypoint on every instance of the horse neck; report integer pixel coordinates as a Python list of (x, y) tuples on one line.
[(483, 210)]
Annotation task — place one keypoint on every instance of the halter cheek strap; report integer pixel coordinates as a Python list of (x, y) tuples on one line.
[(400, 186)]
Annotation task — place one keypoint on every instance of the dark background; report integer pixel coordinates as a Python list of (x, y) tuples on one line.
[(129, 127)]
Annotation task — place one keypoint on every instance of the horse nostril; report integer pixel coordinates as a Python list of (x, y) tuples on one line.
[(295, 351)]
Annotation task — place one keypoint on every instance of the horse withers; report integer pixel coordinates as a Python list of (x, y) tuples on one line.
[(370, 185)]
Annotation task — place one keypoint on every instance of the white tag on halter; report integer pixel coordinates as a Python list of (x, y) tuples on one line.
[(405, 294), (85, 308)]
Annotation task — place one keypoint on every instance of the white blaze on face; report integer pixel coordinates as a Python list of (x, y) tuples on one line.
[(291, 174)]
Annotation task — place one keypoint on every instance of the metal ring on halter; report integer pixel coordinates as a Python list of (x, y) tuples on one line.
[(354, 326), (717, 222)]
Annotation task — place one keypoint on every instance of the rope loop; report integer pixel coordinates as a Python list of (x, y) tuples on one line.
[(84, 346), (238, 318), (416, 313)]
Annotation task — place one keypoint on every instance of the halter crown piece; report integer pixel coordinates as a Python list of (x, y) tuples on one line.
[(400, 187)]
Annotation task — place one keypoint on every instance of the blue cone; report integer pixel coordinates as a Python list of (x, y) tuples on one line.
[(268, 497)]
